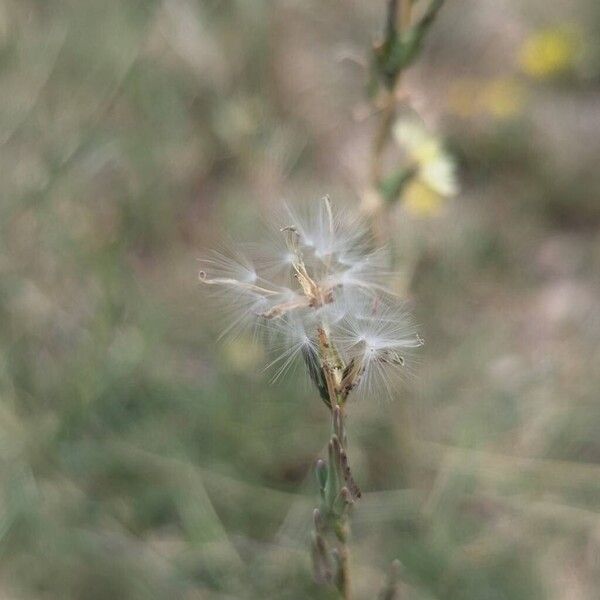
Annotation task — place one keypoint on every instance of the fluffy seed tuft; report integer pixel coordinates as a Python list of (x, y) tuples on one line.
[(323, 297)]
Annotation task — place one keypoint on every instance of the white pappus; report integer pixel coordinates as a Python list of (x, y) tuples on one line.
[(325, 295)]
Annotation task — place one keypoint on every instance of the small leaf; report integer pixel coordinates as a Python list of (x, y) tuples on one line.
[(399, 49), (343, 502), (322, 568), (333, 471), (318, 521), (321, 472), (390, 590), (316, 374)]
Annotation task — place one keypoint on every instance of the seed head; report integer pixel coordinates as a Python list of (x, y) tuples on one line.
[(326, 300)]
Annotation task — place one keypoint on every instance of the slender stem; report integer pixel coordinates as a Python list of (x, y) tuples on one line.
[(342, 531), (392, 15), (343, 536), (402, 22), (386, 119), (406, 14), (396, 20), (344, 584), (338, 489), (399, 17)]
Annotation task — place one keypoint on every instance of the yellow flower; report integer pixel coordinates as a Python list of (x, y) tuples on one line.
[(500, 98), (435, 177), (503, 98), (464, 97), (550, 51), (421, 200)]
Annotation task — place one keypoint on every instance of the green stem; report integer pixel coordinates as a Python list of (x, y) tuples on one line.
[(338, 491)]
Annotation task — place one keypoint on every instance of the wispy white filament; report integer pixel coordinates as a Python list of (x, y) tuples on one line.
[(326, 274)]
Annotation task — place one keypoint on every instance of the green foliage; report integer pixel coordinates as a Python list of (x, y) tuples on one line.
[(399, 49)]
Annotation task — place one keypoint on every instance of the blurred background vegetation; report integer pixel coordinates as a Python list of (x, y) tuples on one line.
[(141, 459)]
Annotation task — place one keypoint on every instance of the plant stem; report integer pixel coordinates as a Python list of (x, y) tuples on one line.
[(344, 584), (399, 15), (396, 21), (337, 486), (405, 14), (342, 535)]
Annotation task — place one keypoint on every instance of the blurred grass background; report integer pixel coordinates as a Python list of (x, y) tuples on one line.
[(141, 459)]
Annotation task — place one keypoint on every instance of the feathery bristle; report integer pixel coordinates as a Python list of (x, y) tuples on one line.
[(325, 276)]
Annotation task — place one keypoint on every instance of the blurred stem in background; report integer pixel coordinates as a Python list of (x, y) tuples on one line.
[(401, 44), (397, 21)]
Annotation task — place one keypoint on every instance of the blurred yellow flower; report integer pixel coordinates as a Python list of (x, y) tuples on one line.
[(435, 177), (501, 97), (464, 96), (550, 51), (422, 201)]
